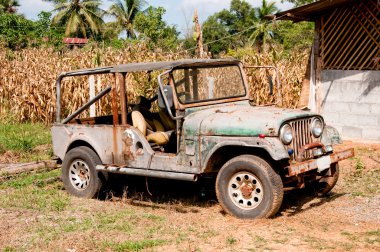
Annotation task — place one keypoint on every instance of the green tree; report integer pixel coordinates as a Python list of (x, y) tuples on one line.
[(80, 17), (8, 6), (224, 28), (295, 35), (298, 3), (264, 32), (15, 31), (125, 12), (44, 33), (215, 31), (154, 30)]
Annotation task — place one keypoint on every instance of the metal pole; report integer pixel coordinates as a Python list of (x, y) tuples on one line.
[(123, 99)]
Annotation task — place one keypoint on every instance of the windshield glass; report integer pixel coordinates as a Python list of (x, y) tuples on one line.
[(206, 84)]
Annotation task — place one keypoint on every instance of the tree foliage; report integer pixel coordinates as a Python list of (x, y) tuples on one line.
[(154, 30), (242, 25), (16, 32), (80, 17), (298, 3), (8, 6), (125, 12), (264, 31), (245, 23)]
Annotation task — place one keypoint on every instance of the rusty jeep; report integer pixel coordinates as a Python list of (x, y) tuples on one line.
[(201, 122)]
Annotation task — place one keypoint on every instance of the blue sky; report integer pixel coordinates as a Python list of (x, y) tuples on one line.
[(178, 12)]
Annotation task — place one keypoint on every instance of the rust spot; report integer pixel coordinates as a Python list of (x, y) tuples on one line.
[(306, 147), (127, 148), (115, 147), (272, 130), (220, 111), (246, 191)]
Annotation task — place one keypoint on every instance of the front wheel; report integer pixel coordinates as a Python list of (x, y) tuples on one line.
[(248, 187), (326, 184), (79, 174)]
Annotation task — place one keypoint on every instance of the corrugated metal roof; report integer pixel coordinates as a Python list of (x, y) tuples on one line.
[(76, 41), (309, 12)]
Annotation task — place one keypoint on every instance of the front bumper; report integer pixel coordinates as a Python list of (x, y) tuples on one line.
[(319, 164)]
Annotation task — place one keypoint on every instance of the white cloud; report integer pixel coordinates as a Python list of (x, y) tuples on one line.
[(31, 8), (204, 7)]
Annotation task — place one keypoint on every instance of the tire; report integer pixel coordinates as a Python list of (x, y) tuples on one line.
[(79, 174), (247, 187), (326, 184)]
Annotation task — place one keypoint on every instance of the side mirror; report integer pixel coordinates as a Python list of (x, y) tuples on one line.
[(270, 81), (169, 96)]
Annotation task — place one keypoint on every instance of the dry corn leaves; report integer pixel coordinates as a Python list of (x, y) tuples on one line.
[(27, 79)]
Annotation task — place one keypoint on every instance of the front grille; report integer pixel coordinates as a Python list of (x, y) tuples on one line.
[(301, 136)]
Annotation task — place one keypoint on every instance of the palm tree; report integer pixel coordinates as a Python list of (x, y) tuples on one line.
[(263, 32), (8, 6), (125, 12), (79, 16)]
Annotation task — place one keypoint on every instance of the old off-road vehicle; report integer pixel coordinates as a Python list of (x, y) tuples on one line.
[(202, 124)]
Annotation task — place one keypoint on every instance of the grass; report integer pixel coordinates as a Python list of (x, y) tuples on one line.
[(231, 240), (25, 141), (41, 216), (25, 179), (132, 245)]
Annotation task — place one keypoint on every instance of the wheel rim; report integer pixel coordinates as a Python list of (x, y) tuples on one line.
[(79, 174), (245, 190)]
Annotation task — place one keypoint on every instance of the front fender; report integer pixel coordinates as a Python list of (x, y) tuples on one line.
[(210, 144), (330, 136)]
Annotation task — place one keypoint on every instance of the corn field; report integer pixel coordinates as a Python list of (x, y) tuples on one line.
[(27, 78)]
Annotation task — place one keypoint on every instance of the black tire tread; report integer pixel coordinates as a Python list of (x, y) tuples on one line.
[(277, 188), (94, 159)]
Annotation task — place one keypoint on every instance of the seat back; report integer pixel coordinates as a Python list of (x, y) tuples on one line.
[(159, 138), (139, 122)]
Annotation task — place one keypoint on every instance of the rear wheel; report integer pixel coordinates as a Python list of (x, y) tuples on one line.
[(79, 174), (248, 187)]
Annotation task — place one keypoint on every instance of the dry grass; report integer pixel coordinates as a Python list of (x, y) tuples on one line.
[(27, 82), (39, 215)]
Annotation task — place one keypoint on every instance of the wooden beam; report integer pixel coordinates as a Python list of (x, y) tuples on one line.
[(14, 169)]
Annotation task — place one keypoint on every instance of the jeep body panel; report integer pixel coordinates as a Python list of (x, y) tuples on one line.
[(239, 119)]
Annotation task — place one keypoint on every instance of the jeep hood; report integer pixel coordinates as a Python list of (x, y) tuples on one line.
[(239, 119)]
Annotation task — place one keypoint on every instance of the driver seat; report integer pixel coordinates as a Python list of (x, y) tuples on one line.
[(158, 137)]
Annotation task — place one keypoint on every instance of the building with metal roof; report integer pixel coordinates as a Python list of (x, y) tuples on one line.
[(344, 68)]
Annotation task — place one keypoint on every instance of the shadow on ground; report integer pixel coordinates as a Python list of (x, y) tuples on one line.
[(298, 201), (150, 192), (143, 191)]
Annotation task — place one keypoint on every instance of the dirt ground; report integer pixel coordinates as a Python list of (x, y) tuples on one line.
[(38, 215)]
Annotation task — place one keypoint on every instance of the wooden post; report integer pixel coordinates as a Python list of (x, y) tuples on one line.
[(91, 80), (198, 35), (305, 91), (318, 70)]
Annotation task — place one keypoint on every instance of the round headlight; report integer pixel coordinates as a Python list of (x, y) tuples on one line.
[(286, 135), (316, 127)]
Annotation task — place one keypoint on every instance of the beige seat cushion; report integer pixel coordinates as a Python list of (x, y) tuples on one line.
[(139, 122), (159, 138)]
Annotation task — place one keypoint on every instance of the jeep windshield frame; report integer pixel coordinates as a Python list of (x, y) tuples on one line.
[(194, 83)]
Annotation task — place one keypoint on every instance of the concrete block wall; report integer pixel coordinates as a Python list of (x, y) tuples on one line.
[(352, 103)]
